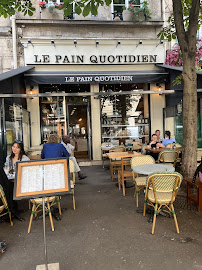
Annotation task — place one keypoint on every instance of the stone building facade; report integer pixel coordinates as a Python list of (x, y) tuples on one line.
[(94, 62)]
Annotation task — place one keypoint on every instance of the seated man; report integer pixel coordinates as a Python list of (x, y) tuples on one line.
[(157, 132), (66, 142), (154, 144), (168, 138)]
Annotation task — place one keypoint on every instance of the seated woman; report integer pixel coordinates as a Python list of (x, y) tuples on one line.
[(54, 149), (168, 138), (17, 154)]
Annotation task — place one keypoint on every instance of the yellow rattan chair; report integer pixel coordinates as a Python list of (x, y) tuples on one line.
[(140, 181), (161, 191), (37, 206), (104, 155), (72, 180), (115, 163), (199, 155), (124, 173), (4, 210), (168, 157), (143, 149)]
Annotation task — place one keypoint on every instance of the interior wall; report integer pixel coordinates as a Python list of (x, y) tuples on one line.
[(33, 108), (95, 123), (157, 103)]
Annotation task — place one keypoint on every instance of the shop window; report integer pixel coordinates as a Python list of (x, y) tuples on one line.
[(123, 117), (119, 5)]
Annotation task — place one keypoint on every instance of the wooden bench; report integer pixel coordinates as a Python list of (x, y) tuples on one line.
[(196, 198)]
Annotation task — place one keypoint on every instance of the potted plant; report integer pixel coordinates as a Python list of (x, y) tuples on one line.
[(53, 12), (137, 12), (42, 4)]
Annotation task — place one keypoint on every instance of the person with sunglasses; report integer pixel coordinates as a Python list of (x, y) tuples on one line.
[(17, 154)]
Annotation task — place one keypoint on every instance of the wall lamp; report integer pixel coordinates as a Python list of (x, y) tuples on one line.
[(75, 42), (53, 42), (118, 43), (96, 43), (159, 87), (160, 42), (139, 43), (30, 42)]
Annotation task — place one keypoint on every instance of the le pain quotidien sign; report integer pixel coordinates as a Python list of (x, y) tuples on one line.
[(94, 59)]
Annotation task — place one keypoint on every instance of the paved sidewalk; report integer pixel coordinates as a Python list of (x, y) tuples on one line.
[(104, 233)]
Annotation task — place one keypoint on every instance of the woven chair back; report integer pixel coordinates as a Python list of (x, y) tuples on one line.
[(118, 149), (199, 154), (164, 182), (169, 146), (178, 145), (141, 160), (71, 166), (143, 149), (3, 198), (169, 156), (107, 144)]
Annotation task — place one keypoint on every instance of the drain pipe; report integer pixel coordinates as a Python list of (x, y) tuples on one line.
[(15, 60)]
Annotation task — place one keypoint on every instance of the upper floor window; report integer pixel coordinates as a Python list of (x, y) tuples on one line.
[(119, 5)]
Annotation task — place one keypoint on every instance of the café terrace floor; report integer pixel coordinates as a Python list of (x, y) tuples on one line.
[(105, 233)]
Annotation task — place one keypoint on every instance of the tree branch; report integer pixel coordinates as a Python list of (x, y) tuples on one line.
[(193, 23), (178, 18)]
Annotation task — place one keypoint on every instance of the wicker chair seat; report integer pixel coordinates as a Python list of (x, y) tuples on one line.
[(164, 197), (39, 200), (140, 181)]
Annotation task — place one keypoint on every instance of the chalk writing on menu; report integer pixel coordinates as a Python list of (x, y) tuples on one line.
[(42, 177)]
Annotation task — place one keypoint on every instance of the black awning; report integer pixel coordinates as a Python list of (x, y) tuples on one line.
[(67, 77), (14, 72)]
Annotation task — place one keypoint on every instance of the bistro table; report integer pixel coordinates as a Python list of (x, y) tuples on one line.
[(147, 169), (119, 155)]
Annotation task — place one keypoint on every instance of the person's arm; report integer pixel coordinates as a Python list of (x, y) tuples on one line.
[(160, 145), (42, 153), (65, 153), (25, 158)]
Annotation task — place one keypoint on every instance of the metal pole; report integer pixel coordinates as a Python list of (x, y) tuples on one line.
[(44, 236)]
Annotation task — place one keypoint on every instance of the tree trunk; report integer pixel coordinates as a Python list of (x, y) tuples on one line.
[(189, 161), (187, 41)]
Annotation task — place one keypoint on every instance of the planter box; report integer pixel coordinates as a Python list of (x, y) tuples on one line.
[(130, 16), (127, 15), (55, 15)]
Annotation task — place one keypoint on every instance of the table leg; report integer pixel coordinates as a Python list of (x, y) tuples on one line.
[(200, 199)]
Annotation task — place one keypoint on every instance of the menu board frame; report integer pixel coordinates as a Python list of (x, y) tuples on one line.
[(65, 187)]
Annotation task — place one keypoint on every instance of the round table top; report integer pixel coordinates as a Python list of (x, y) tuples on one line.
[(153, 168)]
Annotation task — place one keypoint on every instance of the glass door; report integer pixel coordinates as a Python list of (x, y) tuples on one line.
[(79, 128), (14, 124)]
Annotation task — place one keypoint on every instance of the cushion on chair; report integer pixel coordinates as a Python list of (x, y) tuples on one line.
[(161, 196), (140, 181)]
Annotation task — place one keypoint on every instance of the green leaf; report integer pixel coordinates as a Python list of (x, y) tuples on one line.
[(30, 12), (108, 2), (93, 9), (78, 10), (68, 10), (86, 10)]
